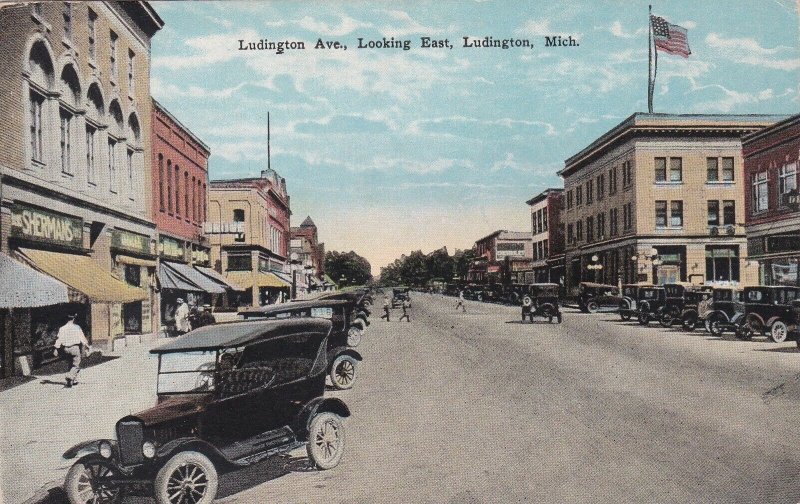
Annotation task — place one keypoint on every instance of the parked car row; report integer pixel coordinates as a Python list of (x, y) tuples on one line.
[(230, 395)]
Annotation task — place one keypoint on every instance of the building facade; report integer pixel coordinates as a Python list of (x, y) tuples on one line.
[(248, 230), (660, 198), (548, 237), (772, 206), (74, 164), (307, 256), (502, 256)]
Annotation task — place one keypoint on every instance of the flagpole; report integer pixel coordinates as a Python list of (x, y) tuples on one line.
[(650, 59)]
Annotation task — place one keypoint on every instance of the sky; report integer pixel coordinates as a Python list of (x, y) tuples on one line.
[(391, 151)]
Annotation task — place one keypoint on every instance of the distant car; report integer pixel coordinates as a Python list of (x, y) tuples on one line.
[(541, 300), (229, 395), (771, 310), (595, 297), (651, 301), (676, 296), (346, 332), (400, 294)]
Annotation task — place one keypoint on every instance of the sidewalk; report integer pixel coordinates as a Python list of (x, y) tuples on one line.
[(41, 419)]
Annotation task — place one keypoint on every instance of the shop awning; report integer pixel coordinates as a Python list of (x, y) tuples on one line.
[(23, 287), (244, 279), (213, 275), (183, 274), (84, 275), (136, 261)]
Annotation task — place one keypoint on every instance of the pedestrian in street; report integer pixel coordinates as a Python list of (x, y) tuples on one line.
[(182, 317), (386, 307), (406, 307), (461, 301), (71, 343)]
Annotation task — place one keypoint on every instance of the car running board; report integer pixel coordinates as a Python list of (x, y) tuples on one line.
[(259, 445)]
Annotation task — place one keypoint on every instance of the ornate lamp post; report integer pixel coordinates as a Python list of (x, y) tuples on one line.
[(641, 257), (595, 266)]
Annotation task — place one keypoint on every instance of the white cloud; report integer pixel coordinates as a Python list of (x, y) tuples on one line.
[(732, 99), (208, 50), (163, 90), (406, 25), (541, 28), (616, 29), (750, 52), (346, 26), (418, 126), (511, 163)]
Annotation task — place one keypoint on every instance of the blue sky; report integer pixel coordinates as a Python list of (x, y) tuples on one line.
[(391, 151)]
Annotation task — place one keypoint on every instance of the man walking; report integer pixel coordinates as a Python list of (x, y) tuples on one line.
[(386, 306), (182, 317), (461, 300), (406, 307), (72, 342)]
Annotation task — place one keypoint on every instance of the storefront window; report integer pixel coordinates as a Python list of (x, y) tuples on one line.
[(782, 272), (240, 263), (722, 264)]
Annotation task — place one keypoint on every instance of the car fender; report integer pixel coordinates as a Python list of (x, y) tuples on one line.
[(689, 312), (333, 353), (169, 449), (318, 405), (719, 314), (774, 319), (89, 447), (358, 323), (754, 317)]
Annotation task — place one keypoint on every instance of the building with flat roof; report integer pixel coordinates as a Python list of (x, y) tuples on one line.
[(660, 198), (548, 236), (501, 256)]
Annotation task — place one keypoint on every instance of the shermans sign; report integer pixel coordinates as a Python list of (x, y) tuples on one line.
[(40, 225)]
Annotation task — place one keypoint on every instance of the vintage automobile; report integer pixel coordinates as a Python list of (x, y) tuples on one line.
[(361, 301), (229, 395), (514, 293), (725, 312), (541, 300), (342, 358), (672, 310), (628, 305), (650, 302), (595, 297), (694, 301), (770, 310), (400, 294)]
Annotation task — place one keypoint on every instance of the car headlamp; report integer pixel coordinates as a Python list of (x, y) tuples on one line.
[(105, 449), (148, 449)]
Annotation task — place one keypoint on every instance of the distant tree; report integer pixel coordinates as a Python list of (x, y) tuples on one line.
[(462, 260), (440, 265), (350, 265)]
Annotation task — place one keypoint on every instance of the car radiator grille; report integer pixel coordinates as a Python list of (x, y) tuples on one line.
[(130, 435)]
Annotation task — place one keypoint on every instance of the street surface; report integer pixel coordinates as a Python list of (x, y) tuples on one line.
[(475, 407)]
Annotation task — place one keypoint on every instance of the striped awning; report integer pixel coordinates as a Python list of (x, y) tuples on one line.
[(184, 277), (213, 275), (244, 279), (23, 287), (83, 274)]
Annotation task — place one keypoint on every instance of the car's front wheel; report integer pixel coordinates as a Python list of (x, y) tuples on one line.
[(778, 332), (88, 481), (326, 440), (592, 307), (689, 322), (187, 478), (665, 319), (643, 318), (625, 316), (354, 335), (343, 372)]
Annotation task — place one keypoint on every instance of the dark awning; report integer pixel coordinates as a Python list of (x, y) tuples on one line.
[(23, 287), (213, 275), (185, 275)]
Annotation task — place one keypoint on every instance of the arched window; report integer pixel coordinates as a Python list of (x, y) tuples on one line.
[(194, 199), (41, 79), (169, 186), (177, 191), (70, 89), (114, 134), (134, 136), (205, 203), (161, 182), (186, 190), (95, 113)]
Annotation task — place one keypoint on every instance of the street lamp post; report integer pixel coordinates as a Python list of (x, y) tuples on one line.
[(293, 259), (651, 255), (595, 266)]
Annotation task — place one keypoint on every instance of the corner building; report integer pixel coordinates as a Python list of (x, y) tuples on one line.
[(660, 198), (75, 167)]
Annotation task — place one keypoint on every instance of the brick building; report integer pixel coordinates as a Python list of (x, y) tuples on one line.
[(74, 165), (309, 253), (664, 182), (248, 229), (501, 256), (772, 212), (548, 236)]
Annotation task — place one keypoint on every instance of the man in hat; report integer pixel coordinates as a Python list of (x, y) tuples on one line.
[(72, 342), (182, 317)]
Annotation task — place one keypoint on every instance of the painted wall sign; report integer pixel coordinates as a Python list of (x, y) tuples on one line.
[(126, 240), (170, 247), (44, 226)]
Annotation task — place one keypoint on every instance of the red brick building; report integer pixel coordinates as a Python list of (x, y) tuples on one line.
[(772, 212), (501, 256), (548, 236)]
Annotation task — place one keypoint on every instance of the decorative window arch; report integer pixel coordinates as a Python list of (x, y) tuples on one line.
[(69, 101), (95, 120), (41, 83)]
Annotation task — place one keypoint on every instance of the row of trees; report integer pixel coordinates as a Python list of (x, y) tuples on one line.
[(347, 268), (418, 270)]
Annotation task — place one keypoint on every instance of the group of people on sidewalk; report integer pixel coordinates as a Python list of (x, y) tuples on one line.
[(387, 305)]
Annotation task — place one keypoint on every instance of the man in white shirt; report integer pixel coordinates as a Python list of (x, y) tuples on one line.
[(182, 317), (72, 340)]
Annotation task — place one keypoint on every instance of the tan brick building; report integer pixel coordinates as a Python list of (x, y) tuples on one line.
[(75, 114), (660, 198)]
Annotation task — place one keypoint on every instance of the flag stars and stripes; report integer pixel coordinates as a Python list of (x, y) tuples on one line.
[(670, 38)]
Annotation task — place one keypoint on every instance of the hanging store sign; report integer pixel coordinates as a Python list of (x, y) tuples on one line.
[(200, 255), (44, 226), (133, 242), (510, 249), (170, 247)]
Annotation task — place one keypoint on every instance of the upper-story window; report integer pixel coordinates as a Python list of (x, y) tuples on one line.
[(177, 191), (95, 117), (675, 173), (92, 35), (627, 174), (601, 225), (590, 229), (112, 164), (205, 204), (579, 195), (36, 103), (66, 146), (589, 192), (169, 186), (238, 215), (612, 180), (676, 213), (601, 186), (759, 193), (661, 214), (131, 57), (113, 55), (569, 199), (67, 14), (186, 212), (787, 180), (579, 230), (161, 206), (570, 233), (131, 174), (715, 174)]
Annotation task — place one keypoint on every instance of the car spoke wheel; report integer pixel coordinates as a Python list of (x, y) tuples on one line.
[(665, 319), (779, 331), (625, 316), (643, 318), (187, 478), (326, 440), (343, 372), (354, 335), (689, 323), (88, 482), (715, 327), (592, 307)]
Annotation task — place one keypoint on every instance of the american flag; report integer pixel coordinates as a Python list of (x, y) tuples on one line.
[(670, 38)]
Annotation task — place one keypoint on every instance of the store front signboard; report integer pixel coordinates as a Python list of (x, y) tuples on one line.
[(132, 242), (200, 256), (783, 243), (169, 247), (39, 225), (510, 249)]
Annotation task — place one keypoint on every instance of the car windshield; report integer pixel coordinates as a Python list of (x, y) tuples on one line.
[(186, 372)]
